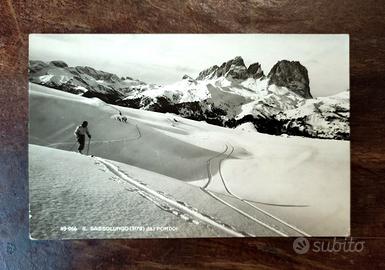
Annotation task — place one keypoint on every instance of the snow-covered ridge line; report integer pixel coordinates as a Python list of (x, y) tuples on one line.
[(115, 170), (227, 95)]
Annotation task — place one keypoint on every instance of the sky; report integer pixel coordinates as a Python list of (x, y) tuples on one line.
[(165, 58)]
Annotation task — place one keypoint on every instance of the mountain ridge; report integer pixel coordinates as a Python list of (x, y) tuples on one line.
[(228, 95)]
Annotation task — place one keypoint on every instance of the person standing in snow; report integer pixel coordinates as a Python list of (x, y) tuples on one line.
[(80, 134)]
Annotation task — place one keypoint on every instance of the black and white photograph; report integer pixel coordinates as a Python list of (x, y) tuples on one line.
[(188, 135)]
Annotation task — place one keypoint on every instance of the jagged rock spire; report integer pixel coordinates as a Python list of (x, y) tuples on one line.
[(234, 68), (292, 75)]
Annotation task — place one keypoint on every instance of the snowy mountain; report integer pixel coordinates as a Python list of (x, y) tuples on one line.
[(228, 94), (85, 81), (232, 69)]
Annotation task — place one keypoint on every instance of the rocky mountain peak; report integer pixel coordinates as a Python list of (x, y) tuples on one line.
[(255, 71), (238, 61), (292, 75), (96, 74), (58, 63), (208, 73), (35, 66), (234, 69)]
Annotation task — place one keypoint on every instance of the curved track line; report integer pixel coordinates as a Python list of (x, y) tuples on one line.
[(60, 143), (277, 204), (226, 203), (115, 170), (230, 193), (276, 218), (209, 167), (220, 171), (62, 130), (103, 141), (255, 207), (246, 215)]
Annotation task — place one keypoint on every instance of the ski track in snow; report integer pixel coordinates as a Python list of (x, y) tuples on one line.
[(165, 207), (220, 167), (70, 126), (157, 202), (209, 166), (252, 205), (164, 202), (245, 214), (139, 135), (204, 189), (100, 141)]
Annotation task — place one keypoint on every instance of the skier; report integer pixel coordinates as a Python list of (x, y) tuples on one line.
[(80, 134)]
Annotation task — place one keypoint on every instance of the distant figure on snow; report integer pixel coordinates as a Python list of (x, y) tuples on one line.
[(80, 134)]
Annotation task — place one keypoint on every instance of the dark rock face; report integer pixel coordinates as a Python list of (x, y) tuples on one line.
[(207, 73), (234, 69), (187, 77), (96, 74), (197, 110), (58, 63), (111, 96), (255, 71), (291, 74), (36, 66), (293, 127)]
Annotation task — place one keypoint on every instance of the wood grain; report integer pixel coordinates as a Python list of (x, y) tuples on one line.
[(363, 20)]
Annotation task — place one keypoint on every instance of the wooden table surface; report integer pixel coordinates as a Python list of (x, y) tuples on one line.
[(363, 20)]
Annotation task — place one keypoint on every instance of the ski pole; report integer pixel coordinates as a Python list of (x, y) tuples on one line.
[(88, 147)]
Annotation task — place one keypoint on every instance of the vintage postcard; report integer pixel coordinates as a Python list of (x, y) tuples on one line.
[(188, 135)]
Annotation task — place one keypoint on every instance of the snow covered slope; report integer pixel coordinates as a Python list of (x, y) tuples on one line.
[(255, 184), (324, 117), (227, 95)]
